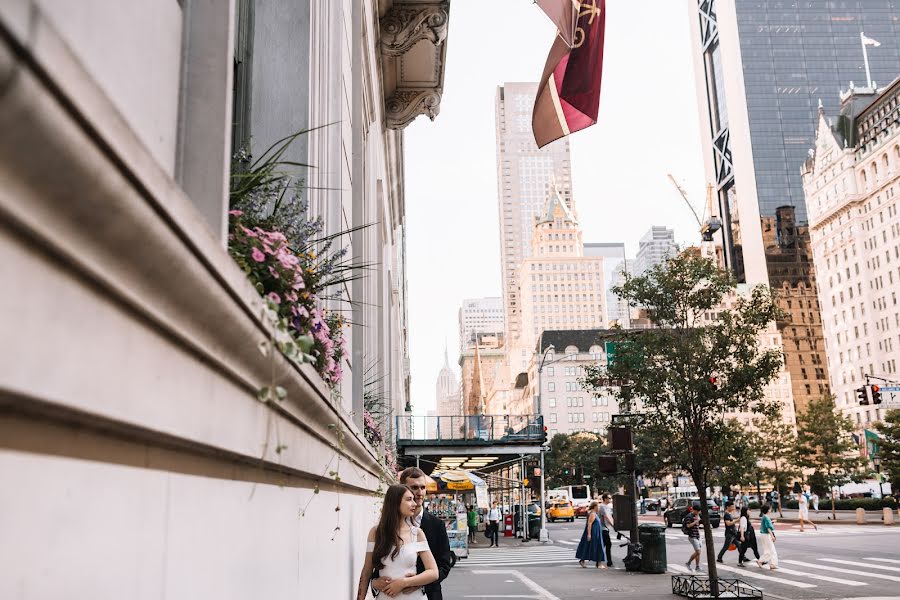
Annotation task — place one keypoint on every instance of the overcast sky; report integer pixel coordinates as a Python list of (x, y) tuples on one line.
[(648, 127)]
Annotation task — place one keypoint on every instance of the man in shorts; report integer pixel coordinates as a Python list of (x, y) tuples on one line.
[(691, 527)]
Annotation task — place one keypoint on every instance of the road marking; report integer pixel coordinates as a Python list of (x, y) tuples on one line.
[(839, 570), (567, 542), (887, 560), (761, 575), (860, 564), (533, 586), (821, 577)]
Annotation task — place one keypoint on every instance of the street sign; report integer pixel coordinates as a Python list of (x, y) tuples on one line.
[(890, 388), (545, 448)]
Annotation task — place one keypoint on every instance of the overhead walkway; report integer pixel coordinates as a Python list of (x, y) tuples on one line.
[(469, 441)]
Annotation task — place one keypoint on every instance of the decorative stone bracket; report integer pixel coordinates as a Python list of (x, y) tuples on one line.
[(413, 52)]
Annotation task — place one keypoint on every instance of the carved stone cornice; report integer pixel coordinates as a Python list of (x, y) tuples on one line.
[(413, 36), (404, 26), (405, 105)]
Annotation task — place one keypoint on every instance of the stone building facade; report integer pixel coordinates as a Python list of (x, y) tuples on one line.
[(851, 181), (131, 430)]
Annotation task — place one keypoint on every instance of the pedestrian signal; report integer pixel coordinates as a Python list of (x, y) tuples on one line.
[(620, 439), (861, 395), (608, 464), (876, 394)]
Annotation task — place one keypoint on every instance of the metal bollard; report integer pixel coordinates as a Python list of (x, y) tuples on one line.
[(860, 516), (888, 516)]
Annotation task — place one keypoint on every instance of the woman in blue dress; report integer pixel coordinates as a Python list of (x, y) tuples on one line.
[(591, 546)]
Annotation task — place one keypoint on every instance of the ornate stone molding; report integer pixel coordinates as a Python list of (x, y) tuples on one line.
[(413, 52), (403, 27), (405, 105)]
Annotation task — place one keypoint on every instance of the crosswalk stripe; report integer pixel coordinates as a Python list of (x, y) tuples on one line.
[(679, 568), (887, 560), (821, 577), (761, 575), (860, 564), (839, 570), (567, 542)]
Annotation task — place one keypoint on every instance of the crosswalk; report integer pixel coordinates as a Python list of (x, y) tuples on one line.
[(807, 574), (823, 530), (519, 556)]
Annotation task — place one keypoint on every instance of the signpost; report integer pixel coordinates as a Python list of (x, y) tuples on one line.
[(891, 395)]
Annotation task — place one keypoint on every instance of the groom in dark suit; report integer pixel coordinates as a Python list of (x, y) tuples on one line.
[(435, 532)]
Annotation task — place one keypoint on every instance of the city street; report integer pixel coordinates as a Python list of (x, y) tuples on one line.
[(838, 561)]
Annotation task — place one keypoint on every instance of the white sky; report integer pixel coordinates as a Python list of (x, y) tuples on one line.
[(648, 127)]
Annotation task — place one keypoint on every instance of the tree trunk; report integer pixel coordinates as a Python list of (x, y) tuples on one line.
[(708, 539), (778, 489), (833, 513)]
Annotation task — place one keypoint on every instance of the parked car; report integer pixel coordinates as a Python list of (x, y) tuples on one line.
[(651, 503), (561, 510), (675, 515)]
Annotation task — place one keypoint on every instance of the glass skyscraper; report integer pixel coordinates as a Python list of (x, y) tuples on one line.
[(762, 67)]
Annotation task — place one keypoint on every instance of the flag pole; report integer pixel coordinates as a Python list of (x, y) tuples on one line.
[(862, 40)]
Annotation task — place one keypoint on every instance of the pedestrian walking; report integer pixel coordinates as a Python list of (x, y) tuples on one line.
[(473, 523), (767, 540), (731, 532), (803, 509), (494, 516), (776, 501), (591, 545), (394, 547), (814, 500), (690, 526), (746, 536), (606, 526)]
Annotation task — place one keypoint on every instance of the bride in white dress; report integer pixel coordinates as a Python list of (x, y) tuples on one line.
[(394, 545)]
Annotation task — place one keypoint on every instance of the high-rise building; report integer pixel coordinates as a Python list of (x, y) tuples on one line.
[(479, 316), (525, 174), (561, 288), (448, 399), (851, 180), (617, 310), (761, 68), (655, 247)]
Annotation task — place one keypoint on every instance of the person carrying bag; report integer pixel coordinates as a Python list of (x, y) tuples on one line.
[(746, 536)]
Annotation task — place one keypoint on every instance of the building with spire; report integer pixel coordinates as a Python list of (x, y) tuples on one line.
[(560, 287)]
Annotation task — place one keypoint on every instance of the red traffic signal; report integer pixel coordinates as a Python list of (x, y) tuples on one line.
[(876, 394)]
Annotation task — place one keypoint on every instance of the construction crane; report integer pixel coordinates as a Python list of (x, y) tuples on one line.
[(711, 225)]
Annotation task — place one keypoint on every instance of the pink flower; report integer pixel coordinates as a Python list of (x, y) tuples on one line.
[(256, 255), (274, 297), (235, 213), (274, 272), (248, 232)]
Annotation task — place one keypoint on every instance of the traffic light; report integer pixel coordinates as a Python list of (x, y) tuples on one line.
[(861, 395), (876, 394), (608, 464), (544, 438)]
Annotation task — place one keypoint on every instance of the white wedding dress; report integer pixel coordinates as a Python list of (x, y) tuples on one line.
[(402, 565)]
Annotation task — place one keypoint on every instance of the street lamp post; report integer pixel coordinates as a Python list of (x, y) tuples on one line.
[(544, 535), (876, 462)]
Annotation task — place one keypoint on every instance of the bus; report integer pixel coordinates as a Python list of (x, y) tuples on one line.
[(578, 495)]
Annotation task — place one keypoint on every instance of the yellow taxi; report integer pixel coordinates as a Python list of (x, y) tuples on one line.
[(561, 510)]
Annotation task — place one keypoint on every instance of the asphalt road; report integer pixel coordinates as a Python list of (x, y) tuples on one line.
[(837, 561)]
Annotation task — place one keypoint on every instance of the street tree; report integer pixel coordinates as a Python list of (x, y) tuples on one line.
[(574, 459), (778, 453), (688, 371), (740, 467), (825, 444), (889, 448)]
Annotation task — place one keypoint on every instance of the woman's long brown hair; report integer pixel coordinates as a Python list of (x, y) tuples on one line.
[(387, 539)]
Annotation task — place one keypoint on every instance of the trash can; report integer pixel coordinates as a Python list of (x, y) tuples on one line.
[(534, 526), (652, 537)]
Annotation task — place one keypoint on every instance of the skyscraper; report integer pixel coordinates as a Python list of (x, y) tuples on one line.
[(479, 316), (655, 247), (524, 178), (761, 68)]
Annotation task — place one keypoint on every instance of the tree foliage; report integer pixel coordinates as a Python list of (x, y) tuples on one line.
[(685, 374), (573, 460), (825, 444), (889, 448), (778, 453)]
